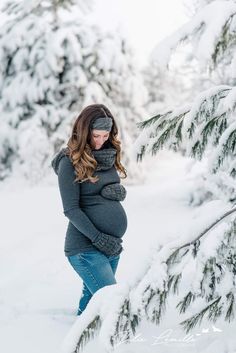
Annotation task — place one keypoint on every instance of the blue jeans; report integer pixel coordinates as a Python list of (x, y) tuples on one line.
[(96, 270)]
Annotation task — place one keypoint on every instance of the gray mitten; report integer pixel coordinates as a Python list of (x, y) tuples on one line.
[(114, 191), (108, 244)]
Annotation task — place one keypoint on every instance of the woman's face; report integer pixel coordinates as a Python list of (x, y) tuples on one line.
[(98, 137)]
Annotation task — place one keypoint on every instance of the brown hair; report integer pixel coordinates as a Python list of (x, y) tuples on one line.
[(79, 148)]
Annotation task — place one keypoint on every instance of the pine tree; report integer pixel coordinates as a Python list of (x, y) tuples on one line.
[(53, 63), (204, 130)]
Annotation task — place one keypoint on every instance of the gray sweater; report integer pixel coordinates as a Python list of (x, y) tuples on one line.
[(88, 212)]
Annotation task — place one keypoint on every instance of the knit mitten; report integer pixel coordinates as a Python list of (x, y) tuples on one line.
[(114, 191), (118, 251), (108, 244)]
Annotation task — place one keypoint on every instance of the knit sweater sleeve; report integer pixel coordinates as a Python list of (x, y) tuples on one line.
[(70, 195)]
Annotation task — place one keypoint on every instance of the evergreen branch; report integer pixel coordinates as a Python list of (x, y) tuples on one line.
[(178, 133), (206, 110), (168, 128), (184, 304), (126, 324), (125, 328), (225, 41), (199, 28), (174, 128), (171, 127), (210, 227), (230, 311), (205, 122), (88, 333), (24, 7), (228, 145), (197, 150), (214, 311), (173, 282), (176, 254), (210, 125), (199, 147), (152, 120), (176, 283), (157, 311), (190, 323)]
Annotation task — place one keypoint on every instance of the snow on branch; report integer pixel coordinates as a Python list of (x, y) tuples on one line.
[(211, 31), (26, 7), (210, 256), (208, 124)]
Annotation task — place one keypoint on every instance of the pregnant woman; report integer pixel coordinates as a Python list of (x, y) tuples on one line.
[(91, 192)]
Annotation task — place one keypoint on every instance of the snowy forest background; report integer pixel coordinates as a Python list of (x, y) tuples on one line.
[(176, 117)]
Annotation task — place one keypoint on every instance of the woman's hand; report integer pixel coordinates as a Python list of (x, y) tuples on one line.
[(108, 244)]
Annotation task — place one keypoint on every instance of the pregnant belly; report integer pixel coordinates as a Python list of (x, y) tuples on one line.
[(108, 216)]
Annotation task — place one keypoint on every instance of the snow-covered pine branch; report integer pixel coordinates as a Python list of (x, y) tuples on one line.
[(204, 129), (25, 7), (211, 256), (211, 32), (213, 262)]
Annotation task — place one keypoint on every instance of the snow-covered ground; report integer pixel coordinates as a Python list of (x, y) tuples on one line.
[(39, 290)]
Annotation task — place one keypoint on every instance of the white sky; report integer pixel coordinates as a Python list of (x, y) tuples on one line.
[(145, 22)]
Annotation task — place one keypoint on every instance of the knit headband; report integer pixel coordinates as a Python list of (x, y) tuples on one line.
[(102, 123)]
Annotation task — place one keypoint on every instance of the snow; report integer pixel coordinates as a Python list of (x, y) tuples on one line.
[(202, 22), (60, 69), (39, 291), (228, 104), (227, 138), (205, 123)]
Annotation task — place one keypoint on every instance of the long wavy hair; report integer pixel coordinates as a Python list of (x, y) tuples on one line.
[(79, 148)]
